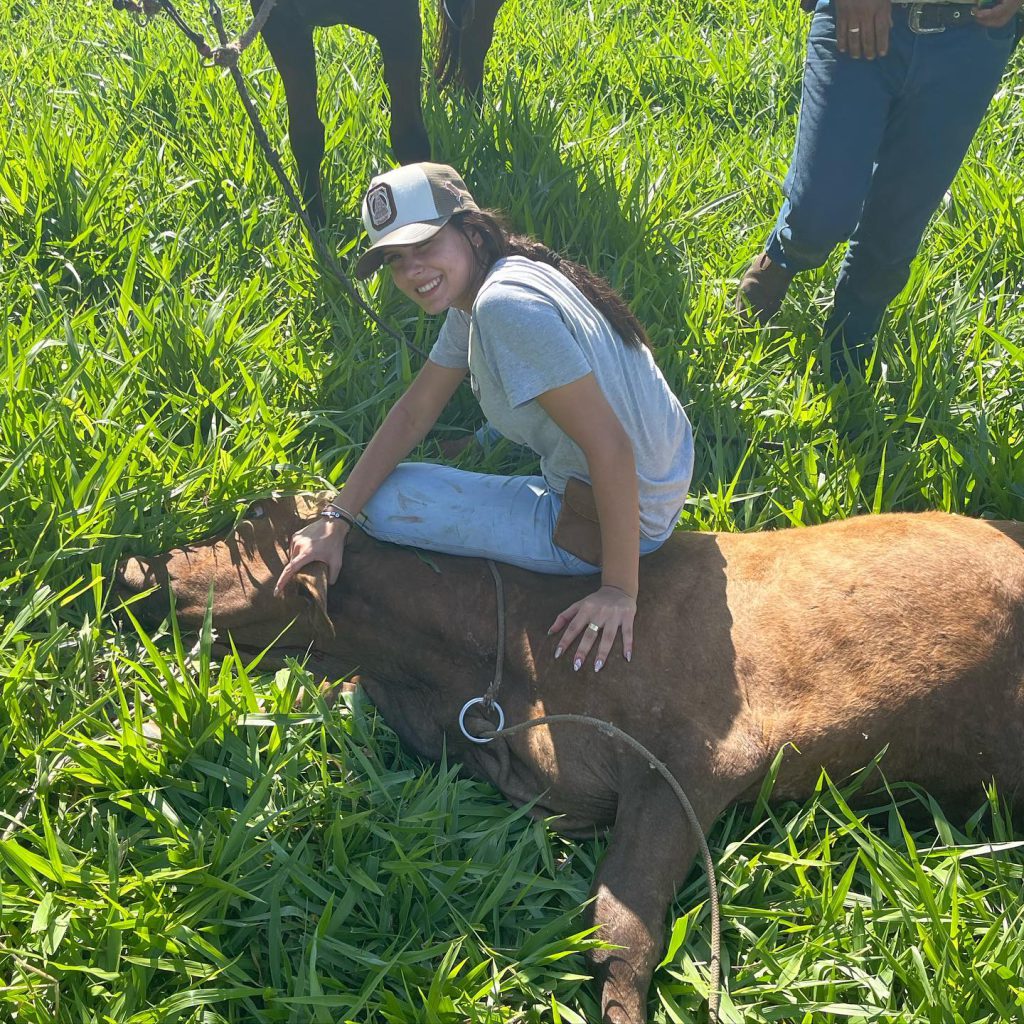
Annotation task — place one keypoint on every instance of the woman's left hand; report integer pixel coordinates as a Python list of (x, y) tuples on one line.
[(603, 614)]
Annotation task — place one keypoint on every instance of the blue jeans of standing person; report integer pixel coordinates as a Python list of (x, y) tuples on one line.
[(508, 518), (878, 144)]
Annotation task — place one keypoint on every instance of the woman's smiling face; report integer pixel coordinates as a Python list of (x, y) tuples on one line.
[(437, 274)]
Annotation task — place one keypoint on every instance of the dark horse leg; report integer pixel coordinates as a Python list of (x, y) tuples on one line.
[(466, 31), (288, 34), (290, 41), (400, 34)]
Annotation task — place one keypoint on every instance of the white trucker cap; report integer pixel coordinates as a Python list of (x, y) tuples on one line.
[(408, 205)]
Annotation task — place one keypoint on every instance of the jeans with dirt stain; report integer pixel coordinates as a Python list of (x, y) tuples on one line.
[(878, 144), (507, 518)]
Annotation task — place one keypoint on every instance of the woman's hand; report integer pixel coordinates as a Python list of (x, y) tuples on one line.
[(323, 540), (862, 27), (603, 614)]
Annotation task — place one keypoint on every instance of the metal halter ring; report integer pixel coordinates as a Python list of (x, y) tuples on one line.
[(462, 719)]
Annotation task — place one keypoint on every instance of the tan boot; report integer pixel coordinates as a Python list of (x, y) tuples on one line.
[(762, 289)]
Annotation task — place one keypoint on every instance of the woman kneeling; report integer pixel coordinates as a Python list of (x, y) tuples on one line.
[(559, 363)]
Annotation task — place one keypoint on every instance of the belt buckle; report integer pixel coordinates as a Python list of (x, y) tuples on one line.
[(916, 11)]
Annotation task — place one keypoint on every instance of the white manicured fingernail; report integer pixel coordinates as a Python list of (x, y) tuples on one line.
[(558, 652), (598, 665), (629, 655), (576, 665)]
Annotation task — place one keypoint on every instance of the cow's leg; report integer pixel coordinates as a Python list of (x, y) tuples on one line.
[(474, 42), (401, 51), (290, 42), (649, 856)]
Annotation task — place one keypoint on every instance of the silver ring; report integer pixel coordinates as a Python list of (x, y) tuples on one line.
[(594, 626), (462, 720), (853, 30)]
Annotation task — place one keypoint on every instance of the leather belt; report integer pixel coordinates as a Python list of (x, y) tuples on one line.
[(929, 18)]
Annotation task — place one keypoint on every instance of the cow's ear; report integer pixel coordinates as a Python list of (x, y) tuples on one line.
[(311, 581)]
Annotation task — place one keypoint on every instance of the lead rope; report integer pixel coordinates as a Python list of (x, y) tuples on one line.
[(499, 657), (488, 701), (226, 55)]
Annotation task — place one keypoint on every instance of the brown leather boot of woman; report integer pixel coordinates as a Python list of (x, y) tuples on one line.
[(762, 288)]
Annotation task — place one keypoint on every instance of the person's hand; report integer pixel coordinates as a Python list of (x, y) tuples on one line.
[(862, 27), (323, 540), (998, 14), (603, 613)]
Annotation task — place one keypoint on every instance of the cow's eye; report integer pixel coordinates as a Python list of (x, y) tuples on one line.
[(255, 511)]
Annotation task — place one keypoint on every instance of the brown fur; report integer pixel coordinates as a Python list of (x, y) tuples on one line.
[(905, 631)]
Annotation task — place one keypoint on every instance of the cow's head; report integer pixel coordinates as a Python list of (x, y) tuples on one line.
[(240, 569)]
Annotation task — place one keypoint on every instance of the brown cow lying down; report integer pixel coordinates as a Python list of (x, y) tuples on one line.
[(898, 630)]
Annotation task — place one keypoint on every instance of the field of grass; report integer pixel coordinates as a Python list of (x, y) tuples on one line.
[(171, 350)]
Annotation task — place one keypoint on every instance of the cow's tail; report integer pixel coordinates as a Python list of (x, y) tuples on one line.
[(453, 17)]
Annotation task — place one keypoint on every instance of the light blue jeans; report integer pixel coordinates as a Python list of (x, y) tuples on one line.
[(507, 518)]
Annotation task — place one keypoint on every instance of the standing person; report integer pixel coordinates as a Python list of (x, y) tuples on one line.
[(558, 362), (893, 93)]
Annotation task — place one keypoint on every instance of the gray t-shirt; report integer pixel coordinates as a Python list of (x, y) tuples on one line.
[(532, 330)]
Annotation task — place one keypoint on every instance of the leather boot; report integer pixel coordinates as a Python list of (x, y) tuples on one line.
[(762, 289)]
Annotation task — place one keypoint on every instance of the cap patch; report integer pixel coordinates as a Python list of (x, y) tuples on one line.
[(380, 203)]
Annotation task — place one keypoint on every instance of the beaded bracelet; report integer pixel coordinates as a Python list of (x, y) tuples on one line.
[(332, 511)]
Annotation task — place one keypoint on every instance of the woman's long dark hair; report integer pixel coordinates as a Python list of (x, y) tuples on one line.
[(498, 241)]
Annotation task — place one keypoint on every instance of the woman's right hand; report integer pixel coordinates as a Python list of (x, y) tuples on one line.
[(323, 540)]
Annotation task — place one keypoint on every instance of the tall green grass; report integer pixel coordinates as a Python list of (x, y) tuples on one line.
[(183, 842)]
